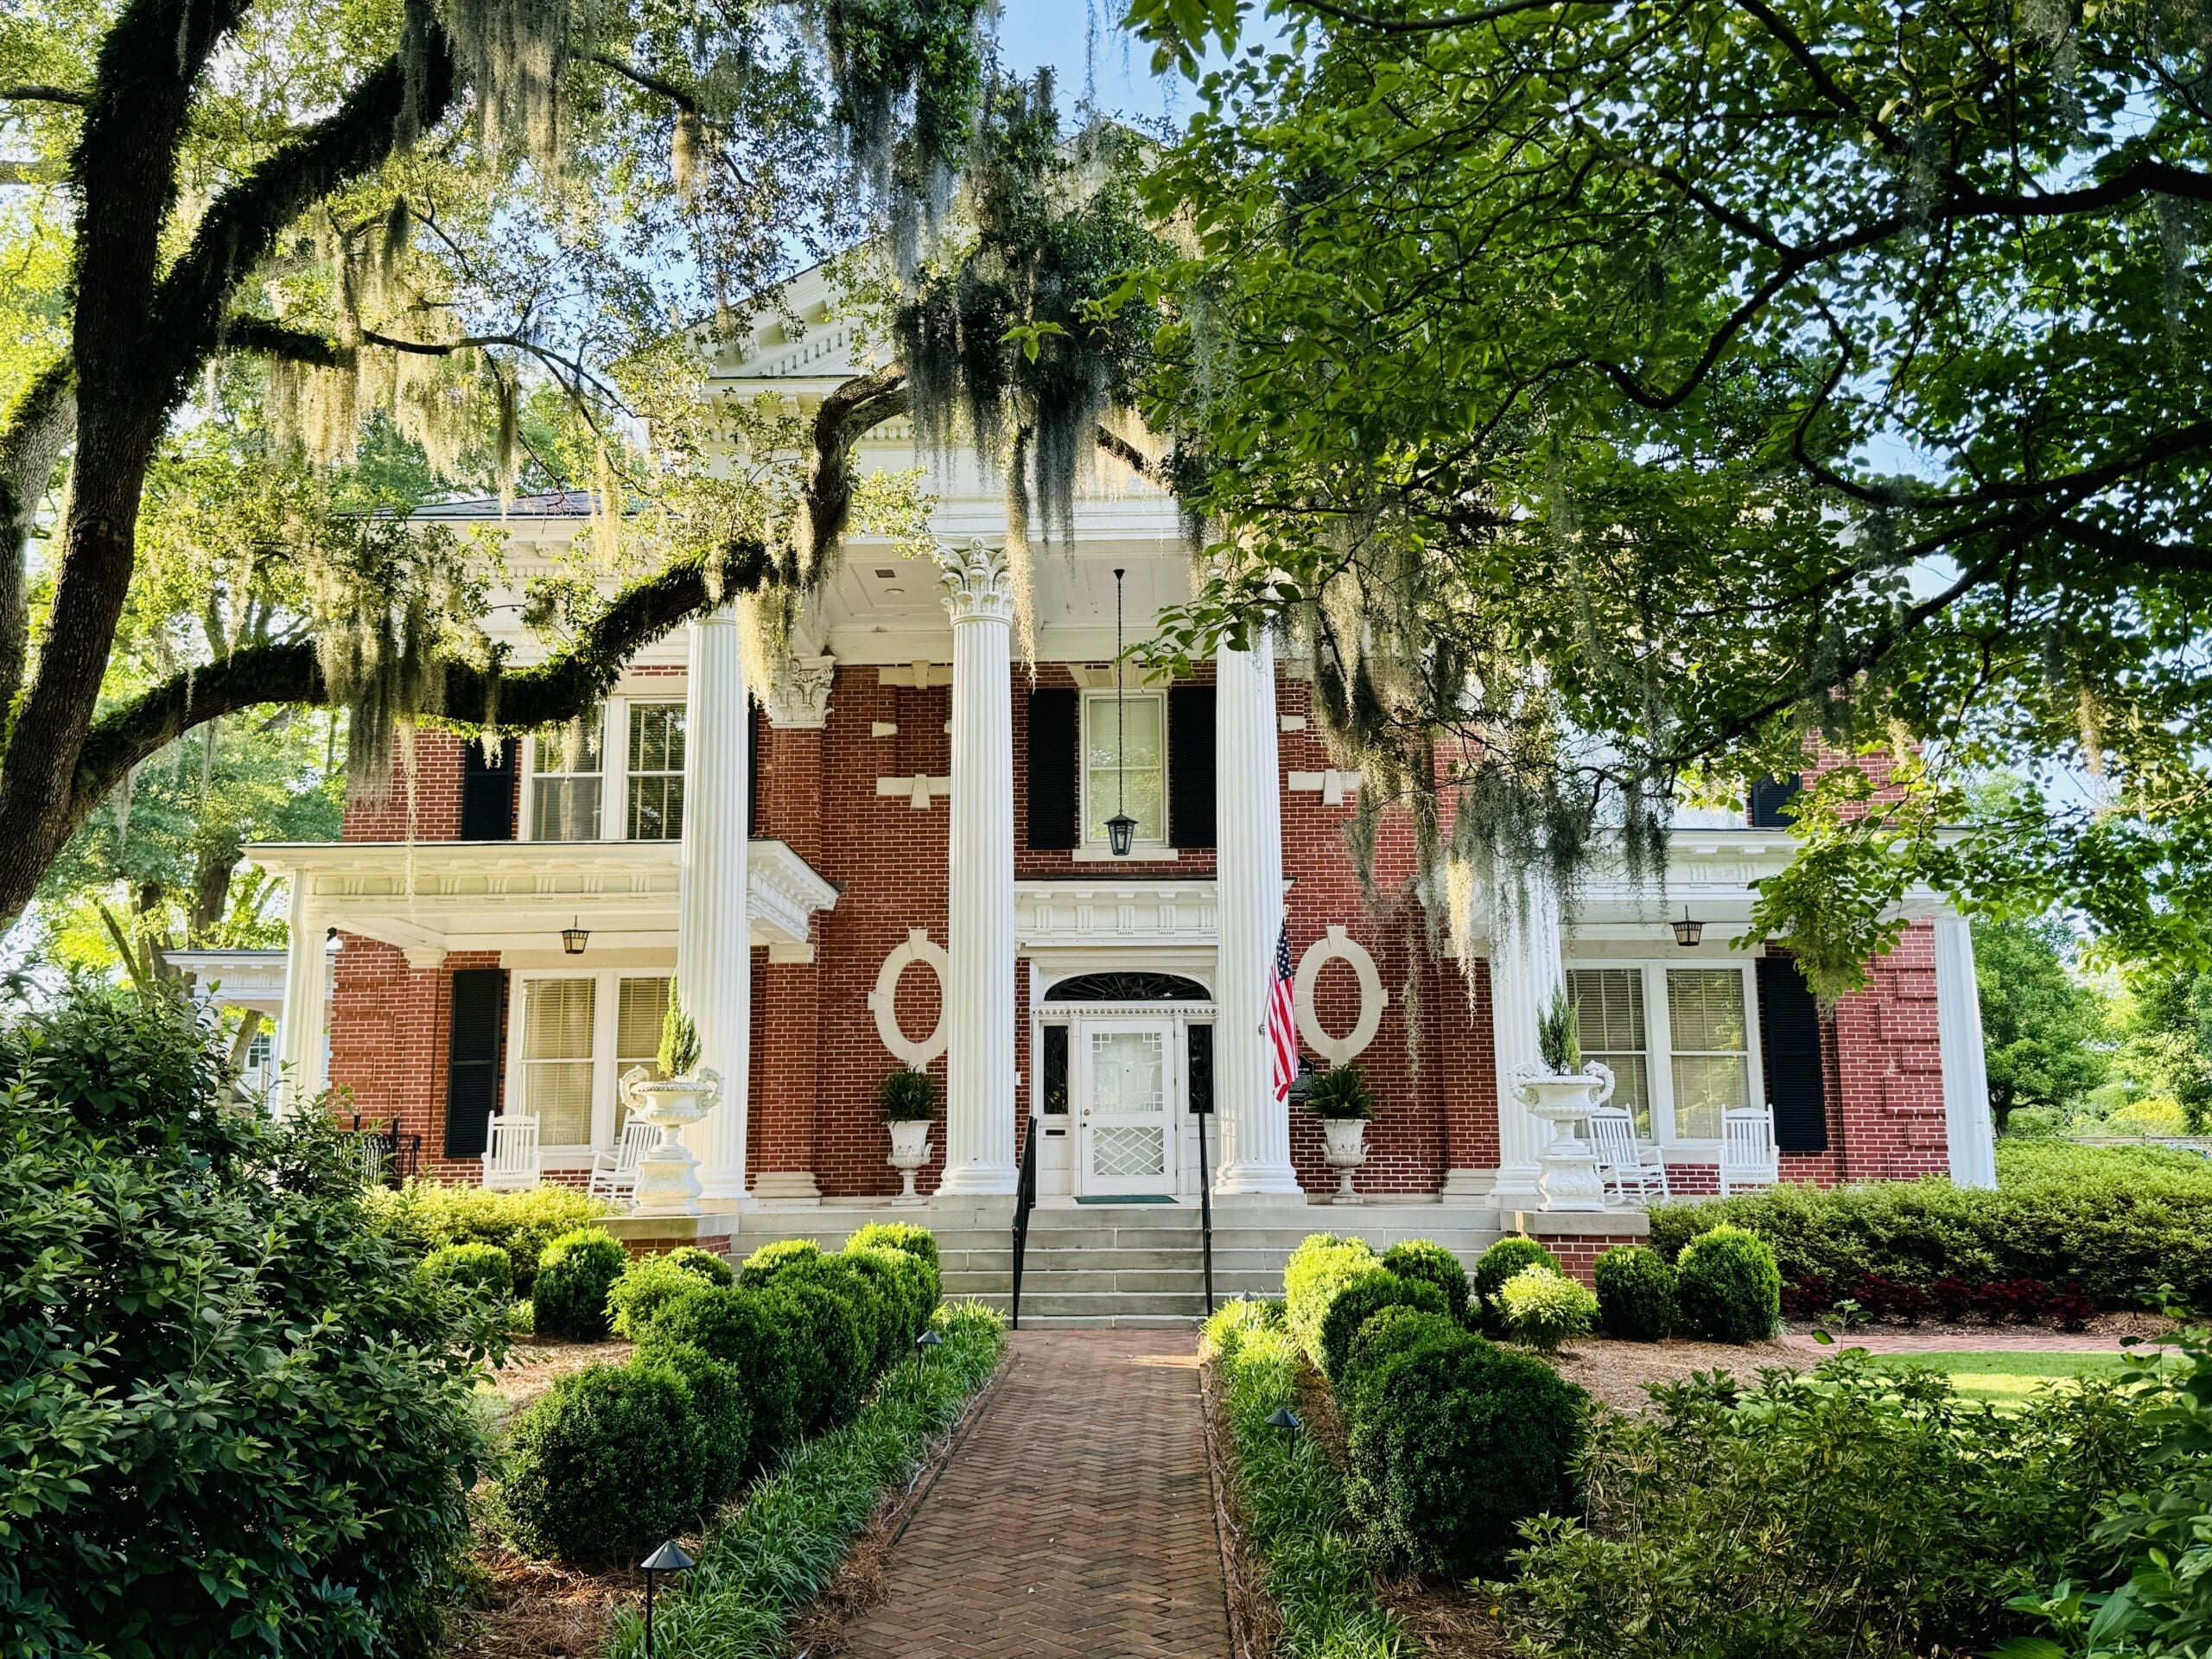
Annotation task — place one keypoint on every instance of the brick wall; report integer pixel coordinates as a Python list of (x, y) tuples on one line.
[(430, 802), (388, 1030)]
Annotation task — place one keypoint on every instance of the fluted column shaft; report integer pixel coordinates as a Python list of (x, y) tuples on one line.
[(1969, 1132), (306, 1034), (714, 934), (1248, 835), (1526, 973), (979, 1024)]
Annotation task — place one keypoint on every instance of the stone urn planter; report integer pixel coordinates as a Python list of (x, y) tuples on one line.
[(668, 1175), (1346, 1150), (1561, 1101), (910, 1150)]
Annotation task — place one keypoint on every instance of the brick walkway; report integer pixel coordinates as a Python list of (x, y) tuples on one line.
[(1076, 1518)]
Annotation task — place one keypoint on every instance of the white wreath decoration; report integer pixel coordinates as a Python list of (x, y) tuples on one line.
[(1333, 946), (884, 999)]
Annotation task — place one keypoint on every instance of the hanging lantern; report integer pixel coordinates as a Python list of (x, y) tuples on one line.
[(574, 937), (1688, 932), (1120, 834)]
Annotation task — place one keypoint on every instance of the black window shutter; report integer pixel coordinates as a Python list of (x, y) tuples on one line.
[(1790, 1032), (487, 791), (1054, 714), (1770, 801), (472, 1058), (1190, 766)]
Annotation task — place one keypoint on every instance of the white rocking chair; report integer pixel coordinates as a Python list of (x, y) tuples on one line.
[(510, 1153), (614, 1173), (1748, 1158), (1633, 1170)]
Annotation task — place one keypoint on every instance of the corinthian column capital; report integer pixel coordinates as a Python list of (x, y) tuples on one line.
[(798, 697), (978, 586)]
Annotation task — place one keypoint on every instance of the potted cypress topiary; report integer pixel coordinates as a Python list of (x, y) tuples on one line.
[(909, 1104), (1561, 1092), (682, 1093), (1341, 1099)]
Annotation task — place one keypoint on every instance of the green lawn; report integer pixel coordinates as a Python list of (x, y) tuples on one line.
[(2010, 1375)]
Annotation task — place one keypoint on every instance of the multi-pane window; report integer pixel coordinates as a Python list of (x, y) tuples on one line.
[(558, 1017), (656, 796), (567, 775), (1712, 1048), (1125, 763), (641, 1005), (1608, 1011), (1680, 1041)]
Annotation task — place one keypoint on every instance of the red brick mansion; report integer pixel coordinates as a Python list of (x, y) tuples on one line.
[(896, 852)]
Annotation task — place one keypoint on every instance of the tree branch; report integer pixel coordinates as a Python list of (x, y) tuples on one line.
[(1357, 19), (35, 94), (32, 438), (865, 401), (646, 80)]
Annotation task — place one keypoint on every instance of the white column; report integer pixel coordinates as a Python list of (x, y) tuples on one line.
[(979, 996), (1525, 974), (713, 934), (1968, 1128), (1248, 860), (306, 1034)]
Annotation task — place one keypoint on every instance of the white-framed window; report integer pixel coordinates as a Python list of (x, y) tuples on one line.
[(616, 774), (567, 781), (1682, 1042), (654, 810), (1125, 764), (573, 1037), (1608, 1011)]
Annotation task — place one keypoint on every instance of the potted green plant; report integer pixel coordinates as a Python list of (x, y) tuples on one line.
[(674, 1092), (1561, 1091), (909, 1104), (1341, 1100)]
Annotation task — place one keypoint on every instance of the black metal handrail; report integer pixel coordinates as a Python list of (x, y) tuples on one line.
[(1205, 1211), (1025, 1200)]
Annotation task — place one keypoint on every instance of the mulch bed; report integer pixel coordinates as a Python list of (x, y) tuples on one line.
[(535, 1363)]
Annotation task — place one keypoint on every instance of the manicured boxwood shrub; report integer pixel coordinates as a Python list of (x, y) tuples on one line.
[(211, 1357), (770, 1260), (1636, 1293), (2114, 1221), (1494, 1266), (650, 1281), (1359, 1299), (833, 1350), (718, 1397), (897, 1235), (1451, 1441), (1421, 1258), (483, 1267), (429, 1216), (1727, 1287), (905, 1283), (1545, 1310), (756, 1335), (568, 1297), (1321, 1266), (607, 1464)]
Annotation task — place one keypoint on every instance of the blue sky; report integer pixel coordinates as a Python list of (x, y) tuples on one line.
[(1078, 39)]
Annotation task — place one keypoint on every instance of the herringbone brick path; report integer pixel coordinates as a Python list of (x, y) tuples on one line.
[(1075, 1519)]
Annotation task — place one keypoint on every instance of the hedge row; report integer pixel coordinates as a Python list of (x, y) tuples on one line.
[(725, 1378), (2106, 1225), (1318, 1569), (430, 1217), (1452, 1440)]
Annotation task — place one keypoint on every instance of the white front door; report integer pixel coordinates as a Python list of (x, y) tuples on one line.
[(1127, 1106)]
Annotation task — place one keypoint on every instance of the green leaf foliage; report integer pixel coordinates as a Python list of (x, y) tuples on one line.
[(1421, 1258), (1636, 1293), (1545, 1310), (1359, 1299), (569, 1297), (648, 1283), (1497, 1264), (1321, 1266), (1340, 1094), (482, 1268), (1862, 1511), (430, 1217), (1318, 1570), (769, 1555), (1726, 1287), (1452, 1441), (2119, 1222), (236, 1417)]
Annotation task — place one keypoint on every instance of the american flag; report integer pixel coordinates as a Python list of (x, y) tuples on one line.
[(1282, 1021)]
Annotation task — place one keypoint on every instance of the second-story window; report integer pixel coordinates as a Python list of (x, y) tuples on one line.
[(566, 773), (655, 807), (1125, 763)]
